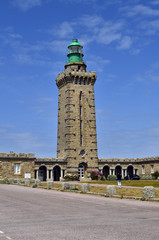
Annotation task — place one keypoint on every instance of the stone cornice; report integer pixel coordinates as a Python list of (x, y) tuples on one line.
[(69, 75)]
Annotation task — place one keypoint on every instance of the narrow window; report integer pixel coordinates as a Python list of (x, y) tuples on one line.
[(17, 168), (76, 80), (80, 96), (152, 168), (143, 169), (80, 110), (81, 139), (80, 124)]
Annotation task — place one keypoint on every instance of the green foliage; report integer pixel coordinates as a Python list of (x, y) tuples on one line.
[(155, 175), (71, 177), (112, 177), (96, 175)]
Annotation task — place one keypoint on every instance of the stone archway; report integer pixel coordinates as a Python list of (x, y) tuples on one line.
[(118, 170), (42, 173), (82, 170), (56, 173), (129, 171), (106, 171)]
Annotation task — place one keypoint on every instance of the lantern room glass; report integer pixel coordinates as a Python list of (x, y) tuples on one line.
[(75, 49)]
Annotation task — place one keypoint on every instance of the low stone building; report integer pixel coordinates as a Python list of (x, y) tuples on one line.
[(20, 166), (77, 151), (17, 165)]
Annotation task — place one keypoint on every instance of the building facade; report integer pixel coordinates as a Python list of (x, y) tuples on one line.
[(76, 136)]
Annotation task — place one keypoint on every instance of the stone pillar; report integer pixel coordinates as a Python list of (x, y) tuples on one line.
[(49, 184), (148, 193), (111, 190), (36, 173), (61, 173), (85, 187), (51, 176), (65, 186), (122, 173), (47, 178)]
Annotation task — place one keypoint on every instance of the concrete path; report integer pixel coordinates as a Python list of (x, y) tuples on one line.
[(39, 214)]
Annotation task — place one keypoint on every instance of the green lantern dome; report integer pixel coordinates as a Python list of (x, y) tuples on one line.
[(75, 51)]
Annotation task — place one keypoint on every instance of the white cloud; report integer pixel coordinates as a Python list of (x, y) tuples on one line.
[(100, 30), (90, 21), (32, 59), (152, 75), (46, 99), (109, 32), (98, 64), (140, 10), (151, 27), (26, 4), (64, 30), (12, 140), (125, 43), (156, 2)]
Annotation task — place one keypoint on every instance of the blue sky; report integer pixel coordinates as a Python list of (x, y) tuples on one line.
[(120, 42)]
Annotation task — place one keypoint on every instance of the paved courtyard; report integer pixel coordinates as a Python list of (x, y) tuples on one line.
[(38, 214)]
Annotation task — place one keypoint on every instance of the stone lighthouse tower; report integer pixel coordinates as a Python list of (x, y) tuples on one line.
[(77, 139)]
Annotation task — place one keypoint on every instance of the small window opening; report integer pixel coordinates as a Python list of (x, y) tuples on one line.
[(80, 96), (81, 139), (80, 124), (80, 110)]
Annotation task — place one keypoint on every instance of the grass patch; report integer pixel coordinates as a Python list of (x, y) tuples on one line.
[(157, 193), (57, 186), (132, 183), (43, 185), (95, 189), (132, 192), (129, 192)]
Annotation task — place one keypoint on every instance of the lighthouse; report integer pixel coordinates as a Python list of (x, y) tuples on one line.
[(76, 137)]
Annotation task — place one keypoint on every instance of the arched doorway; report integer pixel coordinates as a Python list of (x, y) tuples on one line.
[(106, 171), (56, 173), (42, 173), (118, 170), (82, 170), (129, 171)]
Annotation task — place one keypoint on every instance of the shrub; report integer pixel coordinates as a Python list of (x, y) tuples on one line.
[(71, 177), (155, 175), (112, 177), (96, 175)]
